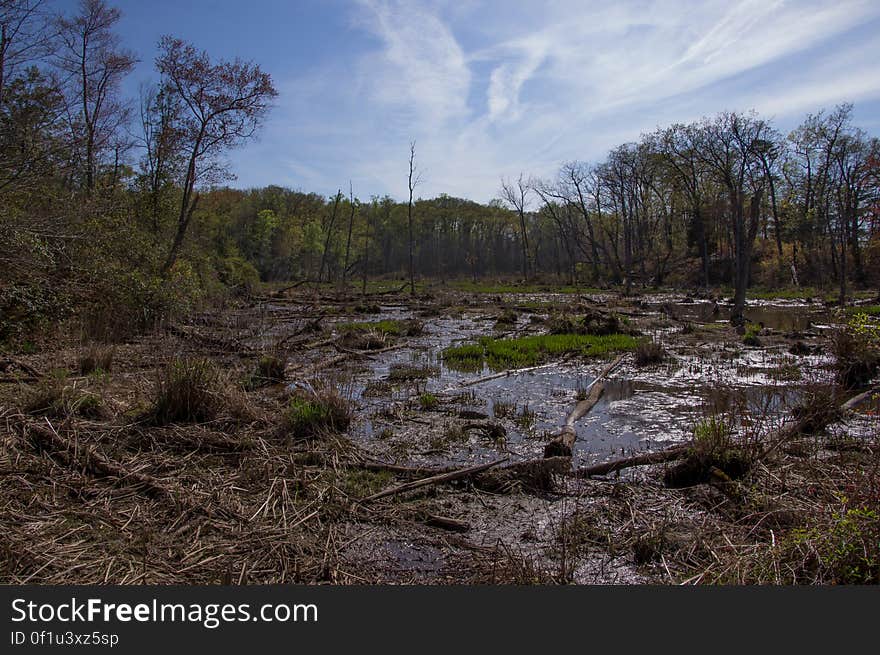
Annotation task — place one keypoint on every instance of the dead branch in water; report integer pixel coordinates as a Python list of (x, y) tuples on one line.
[(668, 455), (562, 445), (434, 479), (515, 371)]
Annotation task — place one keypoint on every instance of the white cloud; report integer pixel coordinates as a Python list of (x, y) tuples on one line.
[(492, 89)]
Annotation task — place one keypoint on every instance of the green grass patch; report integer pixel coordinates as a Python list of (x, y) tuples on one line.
[(868, 310), (312, 415), (502, 354), (428, 401)]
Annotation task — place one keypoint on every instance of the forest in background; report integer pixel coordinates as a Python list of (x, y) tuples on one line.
[(115, 211)]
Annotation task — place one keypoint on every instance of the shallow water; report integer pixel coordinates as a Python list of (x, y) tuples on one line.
[(641, 408), (780, 315)]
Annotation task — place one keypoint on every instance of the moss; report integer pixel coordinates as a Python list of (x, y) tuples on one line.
[(402, 372), (361, 483)]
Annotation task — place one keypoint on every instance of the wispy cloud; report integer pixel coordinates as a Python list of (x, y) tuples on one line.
[(489, 89)]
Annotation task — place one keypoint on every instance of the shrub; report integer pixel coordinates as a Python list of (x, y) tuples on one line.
[(712, 447), (750, 338), (270, 370), (188, 391), (428, 401), (54, 397), (238, 275), (649, 352), (856, 349), (96, 358), (310, 414)]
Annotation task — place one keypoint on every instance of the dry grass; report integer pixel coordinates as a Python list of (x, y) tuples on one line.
[(195, 390), (96, 358)]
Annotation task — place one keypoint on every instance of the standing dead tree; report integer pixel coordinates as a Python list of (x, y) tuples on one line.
[(413, 180), (517, 198)]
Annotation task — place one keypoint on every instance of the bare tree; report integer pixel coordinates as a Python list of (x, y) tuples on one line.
[(93, 65), (517, 198), (161, 144), (328, 235), (222, 105), (350, 225), (413, 180), (24, 37)]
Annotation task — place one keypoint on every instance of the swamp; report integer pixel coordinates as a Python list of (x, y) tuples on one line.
[(297, 437)]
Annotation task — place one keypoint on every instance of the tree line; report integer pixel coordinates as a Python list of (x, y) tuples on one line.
[(118, 209)]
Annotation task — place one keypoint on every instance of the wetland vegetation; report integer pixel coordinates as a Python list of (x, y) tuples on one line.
[(661, 367)]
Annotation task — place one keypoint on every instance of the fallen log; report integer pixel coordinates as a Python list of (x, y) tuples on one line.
[(333, 361), (562, 445), (856, 401), (515, 371), (447, 523), (809, 423), (434, 479), (659, 457), (403, 470), (532, 474)]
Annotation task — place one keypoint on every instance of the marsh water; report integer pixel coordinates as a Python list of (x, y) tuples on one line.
[(642, 408)]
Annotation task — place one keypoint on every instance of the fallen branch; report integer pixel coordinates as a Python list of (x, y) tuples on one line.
[(533, 474), (434, 479), (27, 368), (447, 523), (515, 371), (860, 399), (562, 445), (223, 344), (668, 455), (333, 361)]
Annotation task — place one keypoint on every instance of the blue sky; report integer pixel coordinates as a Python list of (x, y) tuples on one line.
[(492, 89)]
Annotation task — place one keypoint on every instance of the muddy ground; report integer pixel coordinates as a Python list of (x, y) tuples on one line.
[(97, 492)]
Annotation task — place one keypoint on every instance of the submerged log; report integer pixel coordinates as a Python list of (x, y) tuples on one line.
[(562, 445), (447, 523)]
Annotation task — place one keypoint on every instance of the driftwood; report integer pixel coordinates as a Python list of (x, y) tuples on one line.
[(515, 371), (562, 445), (668, 455), (859, 400), (434, 479), (447, 523)]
